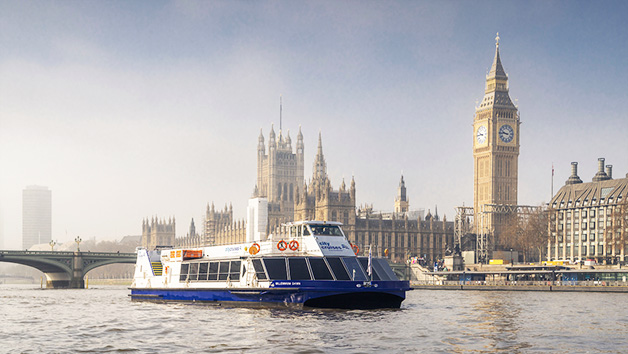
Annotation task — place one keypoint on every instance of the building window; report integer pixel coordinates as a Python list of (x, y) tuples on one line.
[(584, 225), (593, 250), (584, 250), (584, 236)]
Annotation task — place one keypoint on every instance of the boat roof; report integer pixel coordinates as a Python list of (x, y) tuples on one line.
[(314, 222)]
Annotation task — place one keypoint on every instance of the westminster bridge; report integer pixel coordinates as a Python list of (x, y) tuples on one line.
[(65, 269)]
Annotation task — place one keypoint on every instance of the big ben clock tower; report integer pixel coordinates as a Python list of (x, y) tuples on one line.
[(495, 150)]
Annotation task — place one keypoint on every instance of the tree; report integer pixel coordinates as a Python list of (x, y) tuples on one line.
[(616, 235), (526, 232)]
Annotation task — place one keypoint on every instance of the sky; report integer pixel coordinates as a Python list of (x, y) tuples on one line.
[(137, 109)]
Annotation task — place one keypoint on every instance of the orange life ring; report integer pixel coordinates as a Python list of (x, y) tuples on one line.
[(254, 249), (356, 249), (166, 272), (294, 245), (282, 245)]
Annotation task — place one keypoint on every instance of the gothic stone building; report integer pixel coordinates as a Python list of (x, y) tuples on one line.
[(397, 235)]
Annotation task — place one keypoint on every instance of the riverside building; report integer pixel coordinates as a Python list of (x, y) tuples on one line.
[(588, 220)]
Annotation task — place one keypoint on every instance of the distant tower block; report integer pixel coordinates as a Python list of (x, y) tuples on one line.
[(495, 148), (36, 216)]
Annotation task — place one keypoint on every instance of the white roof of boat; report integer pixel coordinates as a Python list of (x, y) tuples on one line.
[(314, 222)]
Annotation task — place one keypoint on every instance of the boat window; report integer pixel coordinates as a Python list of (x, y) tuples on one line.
[(276, 268), (306, 231), (326, 230), (382, 267), (298, 269), (223, 270), (184, 272), (202, 270), (353, 266), (234, 271), (213, 271), (319, 269), (259, 269), (338, 268), (193, 271), (364, 261)]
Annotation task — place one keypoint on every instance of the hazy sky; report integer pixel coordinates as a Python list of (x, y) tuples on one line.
[(134, 109)]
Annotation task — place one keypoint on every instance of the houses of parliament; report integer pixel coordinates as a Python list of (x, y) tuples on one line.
[(396, 235), (280, 179)]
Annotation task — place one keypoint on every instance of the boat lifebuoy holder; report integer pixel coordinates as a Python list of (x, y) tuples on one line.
[(282, 245), (254, 248), (356, 249), (294, 245)]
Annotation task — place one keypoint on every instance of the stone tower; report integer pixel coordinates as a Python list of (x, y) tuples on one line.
[(319, 201), (280, 175), (495, 149), (158, 232), (402, 203)]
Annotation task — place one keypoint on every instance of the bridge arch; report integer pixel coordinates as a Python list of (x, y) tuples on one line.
[(65, 269)]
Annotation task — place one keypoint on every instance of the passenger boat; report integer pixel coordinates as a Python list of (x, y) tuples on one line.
[(312, 264)]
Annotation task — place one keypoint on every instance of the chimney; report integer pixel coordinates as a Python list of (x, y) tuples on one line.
[(609, 171), (600, 175), (574, 179)]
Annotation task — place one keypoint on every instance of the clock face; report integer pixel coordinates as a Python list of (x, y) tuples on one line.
[(481, 134), (506, 133)]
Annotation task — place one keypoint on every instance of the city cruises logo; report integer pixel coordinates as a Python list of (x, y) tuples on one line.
[(329, 246)]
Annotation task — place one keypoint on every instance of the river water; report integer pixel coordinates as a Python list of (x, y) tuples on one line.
[(103, 319)]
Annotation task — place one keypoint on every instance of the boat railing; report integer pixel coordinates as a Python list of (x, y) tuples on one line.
[(282, 245)]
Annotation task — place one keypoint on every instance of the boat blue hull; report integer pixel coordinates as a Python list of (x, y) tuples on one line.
[(322, 294)]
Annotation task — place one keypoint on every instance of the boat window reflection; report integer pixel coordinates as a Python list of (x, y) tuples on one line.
[(259, 269), (338, 268), (326, 230), (320, 269), (276, 268), (298, 269)]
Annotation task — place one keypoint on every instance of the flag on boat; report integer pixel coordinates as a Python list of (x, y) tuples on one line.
[(370, 267)]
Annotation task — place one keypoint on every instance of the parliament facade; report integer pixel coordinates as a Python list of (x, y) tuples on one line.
[(396, 235)]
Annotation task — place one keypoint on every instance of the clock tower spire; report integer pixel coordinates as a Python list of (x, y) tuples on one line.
[(495, 150)]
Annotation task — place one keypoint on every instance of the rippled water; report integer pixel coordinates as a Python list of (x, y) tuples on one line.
[(103, 319)]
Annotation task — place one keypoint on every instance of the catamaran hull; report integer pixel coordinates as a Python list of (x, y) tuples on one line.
[(346, 295)]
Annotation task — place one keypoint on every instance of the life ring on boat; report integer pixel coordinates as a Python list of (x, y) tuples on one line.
[(254, 249), (355, 249), (282, 245), (166, 271), (294, 245)]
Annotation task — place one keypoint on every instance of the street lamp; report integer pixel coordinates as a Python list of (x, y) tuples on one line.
[(78, 243), (511, 261), (52, 244)]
